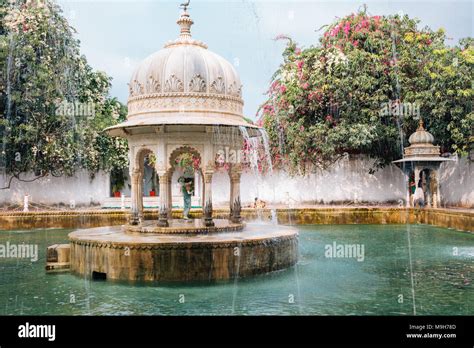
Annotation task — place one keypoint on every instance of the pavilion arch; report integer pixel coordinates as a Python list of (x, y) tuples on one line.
[(139, 157), (183, 149), (198, 178), (427, 176), (137, 174)]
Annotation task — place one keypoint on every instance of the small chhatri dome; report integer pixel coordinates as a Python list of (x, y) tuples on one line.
[(421, 136), (184, 84), (421, 144), (422, 150)]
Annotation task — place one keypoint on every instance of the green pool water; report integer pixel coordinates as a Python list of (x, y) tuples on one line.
[(442, 264)]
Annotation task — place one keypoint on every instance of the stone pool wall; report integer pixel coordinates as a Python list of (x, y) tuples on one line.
[(462, 220)]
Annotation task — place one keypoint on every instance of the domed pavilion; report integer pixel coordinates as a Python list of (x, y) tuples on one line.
[(420, 163), (183, 99)]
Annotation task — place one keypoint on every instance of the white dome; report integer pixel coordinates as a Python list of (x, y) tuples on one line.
[(421, 144), (184, 84), (185, 68), (421, 136)]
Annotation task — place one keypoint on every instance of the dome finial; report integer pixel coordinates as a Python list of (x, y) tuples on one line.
[(185, 22), (420, 125)]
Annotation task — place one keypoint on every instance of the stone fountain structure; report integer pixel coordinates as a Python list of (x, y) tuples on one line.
[(183, 99)]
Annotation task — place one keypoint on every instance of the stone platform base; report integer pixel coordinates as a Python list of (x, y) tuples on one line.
[(111, 253), (181, 226)]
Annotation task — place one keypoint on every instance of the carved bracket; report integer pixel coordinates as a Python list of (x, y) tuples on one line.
[(163, 217), (235, 211), (208, 214)]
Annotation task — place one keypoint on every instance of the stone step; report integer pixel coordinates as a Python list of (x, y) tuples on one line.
[(58, 257)]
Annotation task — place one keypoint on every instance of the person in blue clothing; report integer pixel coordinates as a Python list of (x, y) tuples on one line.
[(187, 194)]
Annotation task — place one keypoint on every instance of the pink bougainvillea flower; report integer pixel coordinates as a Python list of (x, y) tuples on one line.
[(347, 28), (305, 85), (283, 89), (300, 64), (268, 109)]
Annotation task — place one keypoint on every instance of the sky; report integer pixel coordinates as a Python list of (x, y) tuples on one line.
[(116, 35)]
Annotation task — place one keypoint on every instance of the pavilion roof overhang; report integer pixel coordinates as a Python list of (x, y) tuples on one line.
[(151, 123), (423, 159), (408, 163)]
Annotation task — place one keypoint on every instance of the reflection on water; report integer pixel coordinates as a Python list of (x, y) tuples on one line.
[(380, 285)]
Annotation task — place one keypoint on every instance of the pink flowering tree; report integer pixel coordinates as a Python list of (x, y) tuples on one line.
[(362, 88)]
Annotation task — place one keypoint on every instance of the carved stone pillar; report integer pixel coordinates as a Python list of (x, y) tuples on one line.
[(164, 184), (417, 175), (170, 196), (428, 189), (197, 185), (417, 171), (435, 185), (136, 197), (235, 205), (207, 212), (408, 198)]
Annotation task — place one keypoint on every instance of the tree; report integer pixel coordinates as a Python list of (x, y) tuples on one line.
[(55, 105), (362, 88)]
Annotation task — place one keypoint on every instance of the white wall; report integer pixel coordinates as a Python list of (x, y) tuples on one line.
[(457, 183), (51, 190), (348, 180)]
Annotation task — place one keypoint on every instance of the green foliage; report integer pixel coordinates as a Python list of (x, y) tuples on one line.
[(54, 105), (117, 177), (328, 100), (188, 162)]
